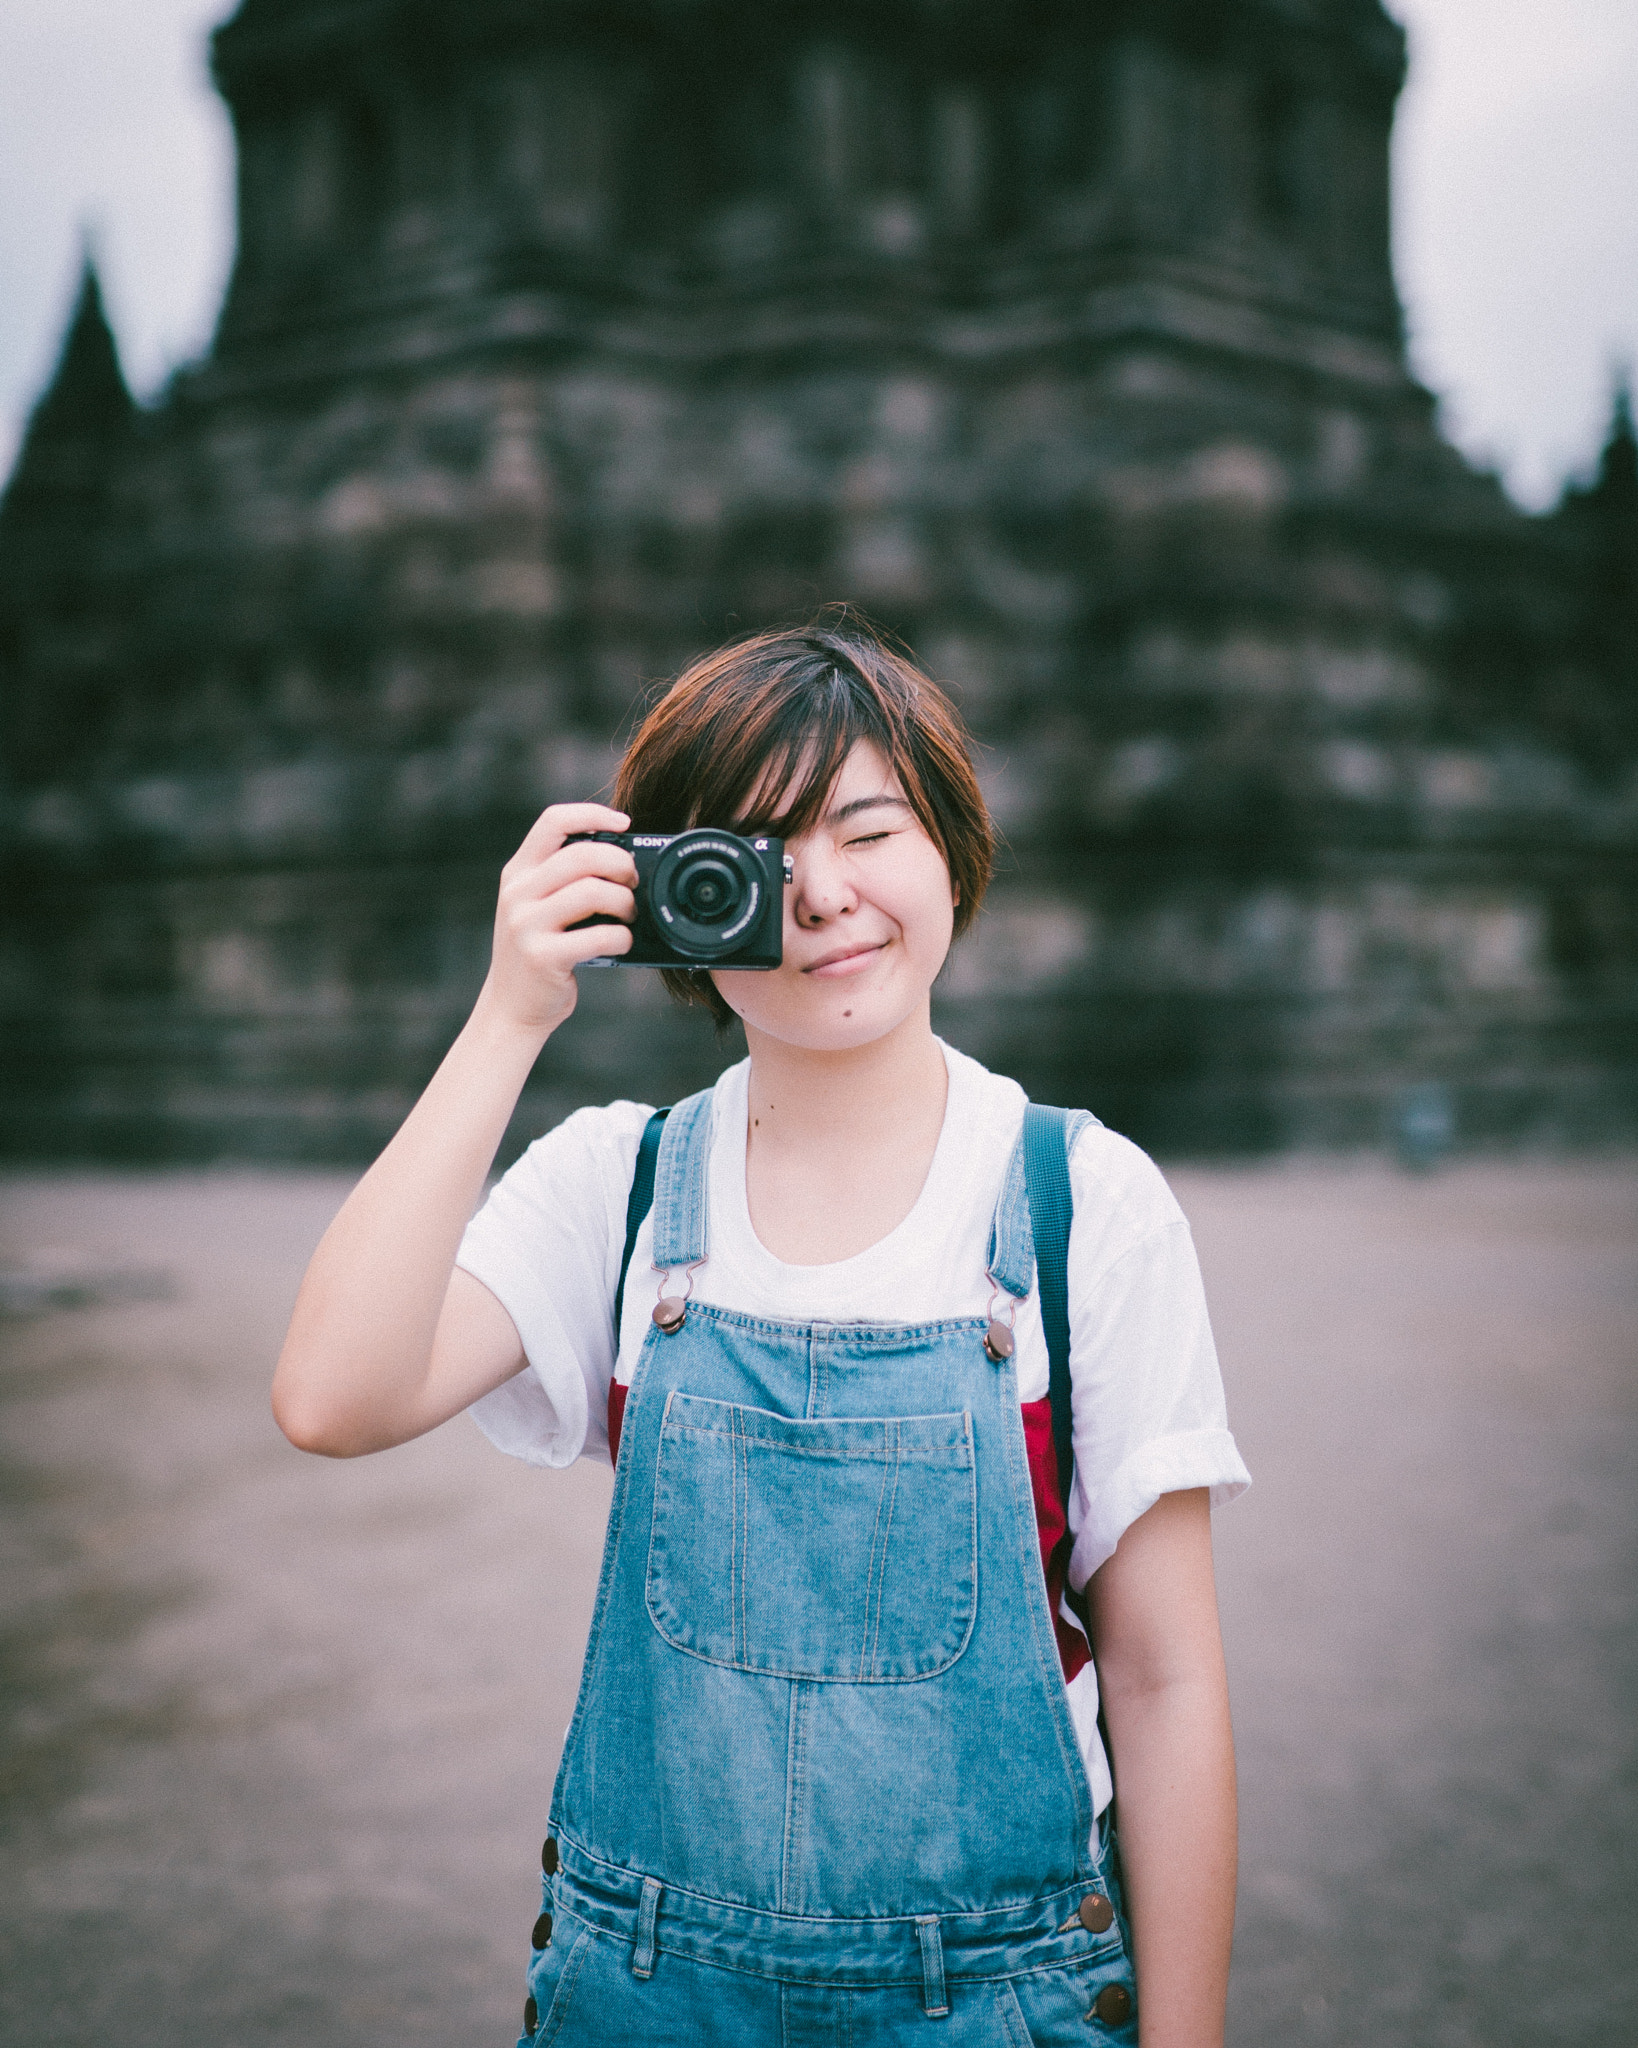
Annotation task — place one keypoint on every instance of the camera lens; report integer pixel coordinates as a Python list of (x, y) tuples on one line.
[(705, 893), (707, 890)]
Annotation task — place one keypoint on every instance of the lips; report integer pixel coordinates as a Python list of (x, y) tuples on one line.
[(843, 960)]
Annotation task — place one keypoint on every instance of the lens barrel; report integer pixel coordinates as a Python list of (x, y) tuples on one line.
[(705, 894)]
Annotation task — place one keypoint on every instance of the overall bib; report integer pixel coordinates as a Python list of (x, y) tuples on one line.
[(821, 1788)]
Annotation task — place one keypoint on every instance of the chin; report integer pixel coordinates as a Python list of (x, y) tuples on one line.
[(822, 1027), (845, 1036)]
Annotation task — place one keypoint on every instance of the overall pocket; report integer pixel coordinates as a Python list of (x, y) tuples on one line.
[(842, 1549)]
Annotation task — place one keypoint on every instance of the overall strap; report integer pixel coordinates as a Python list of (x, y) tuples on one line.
[(679, 1184), (1048, 1137), (638, 1204), (680, 1173), (1012, 1250)]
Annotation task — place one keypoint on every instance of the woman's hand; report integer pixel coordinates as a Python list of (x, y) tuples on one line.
[(546, 887), (388, 1339)]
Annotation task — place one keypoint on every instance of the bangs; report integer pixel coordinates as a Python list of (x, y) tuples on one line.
[(777, 780)]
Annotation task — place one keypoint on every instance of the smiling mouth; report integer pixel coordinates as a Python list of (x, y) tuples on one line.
[(833, 966)]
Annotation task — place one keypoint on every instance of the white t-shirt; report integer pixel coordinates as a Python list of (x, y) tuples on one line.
[(1148, 1397)]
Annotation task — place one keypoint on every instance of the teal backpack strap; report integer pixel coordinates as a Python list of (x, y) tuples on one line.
[(638, 1204), (1048, 1136)]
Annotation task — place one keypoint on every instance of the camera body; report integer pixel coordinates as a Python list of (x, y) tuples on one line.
[(704, 899)]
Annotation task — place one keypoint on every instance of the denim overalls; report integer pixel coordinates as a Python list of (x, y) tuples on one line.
[(821, 1788)]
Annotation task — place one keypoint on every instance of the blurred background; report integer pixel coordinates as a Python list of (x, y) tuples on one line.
[(1231, 404), (556, 344)]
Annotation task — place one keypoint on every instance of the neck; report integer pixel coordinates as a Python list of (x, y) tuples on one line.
[(821, 1100)]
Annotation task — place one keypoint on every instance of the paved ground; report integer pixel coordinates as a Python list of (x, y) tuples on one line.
[(277, 1734)]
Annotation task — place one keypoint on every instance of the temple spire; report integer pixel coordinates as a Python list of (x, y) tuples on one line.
[(1617, 481), (54, 510), (85, 408), (1608, 504), (88, 389)]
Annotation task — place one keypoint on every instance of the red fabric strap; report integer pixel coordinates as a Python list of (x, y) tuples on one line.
[(1074, 1653), (617, 1416)]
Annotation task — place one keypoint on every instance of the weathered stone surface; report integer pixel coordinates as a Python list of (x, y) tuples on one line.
[(563, 342)]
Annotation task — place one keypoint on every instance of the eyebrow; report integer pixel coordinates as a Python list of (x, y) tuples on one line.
[(864, 803)]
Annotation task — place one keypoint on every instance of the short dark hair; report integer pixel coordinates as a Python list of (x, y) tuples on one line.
[(776, 715)]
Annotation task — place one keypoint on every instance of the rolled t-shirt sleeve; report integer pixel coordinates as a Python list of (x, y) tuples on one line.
[(547, 1245), (1150, 1416)]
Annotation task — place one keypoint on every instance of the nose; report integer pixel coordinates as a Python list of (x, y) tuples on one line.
[(820, 888)]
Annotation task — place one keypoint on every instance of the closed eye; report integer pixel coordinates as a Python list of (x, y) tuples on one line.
[(869, 838)]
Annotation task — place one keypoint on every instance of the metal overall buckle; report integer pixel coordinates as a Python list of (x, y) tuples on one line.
[(670, 1309), (999, 1342)]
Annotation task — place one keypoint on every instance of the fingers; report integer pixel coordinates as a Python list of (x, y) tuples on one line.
[(571, 863), (590, 896), (535, 879), (557, 821), (596, 942), (538, 933), (547, 889)]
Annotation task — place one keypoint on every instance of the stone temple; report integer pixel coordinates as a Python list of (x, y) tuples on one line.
[(566, 340)]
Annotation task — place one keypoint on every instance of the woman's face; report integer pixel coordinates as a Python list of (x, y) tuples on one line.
[(868, 920)]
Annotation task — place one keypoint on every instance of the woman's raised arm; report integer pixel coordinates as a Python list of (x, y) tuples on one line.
[(387, 1339)]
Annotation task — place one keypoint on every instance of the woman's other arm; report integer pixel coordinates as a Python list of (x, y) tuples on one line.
[(388, 1339), (1165, 1701)]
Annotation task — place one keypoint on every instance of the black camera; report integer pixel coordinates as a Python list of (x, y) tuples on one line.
[(704, 899)]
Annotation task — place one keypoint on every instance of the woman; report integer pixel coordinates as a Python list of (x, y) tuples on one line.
[(836, 1768)]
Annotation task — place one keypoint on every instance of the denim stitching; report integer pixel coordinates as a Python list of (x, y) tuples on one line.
[(954, 1457), (679, 1184), (822, 1328), (935, 1999), (803, 1731), (887, 1536), (642, 1946), (969, 1980), (900, 1979), (903, 1980), (790, 1872), (887, 1540), (818, 1377), (733, 1532), (558, 2011), (864, 1664), (786, 1432), (1046, 1904), (916, 1675), (1012, 1248), (1012, 2017), (742, 1494)]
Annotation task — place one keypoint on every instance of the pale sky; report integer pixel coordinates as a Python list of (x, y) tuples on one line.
[(1516, 206)]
